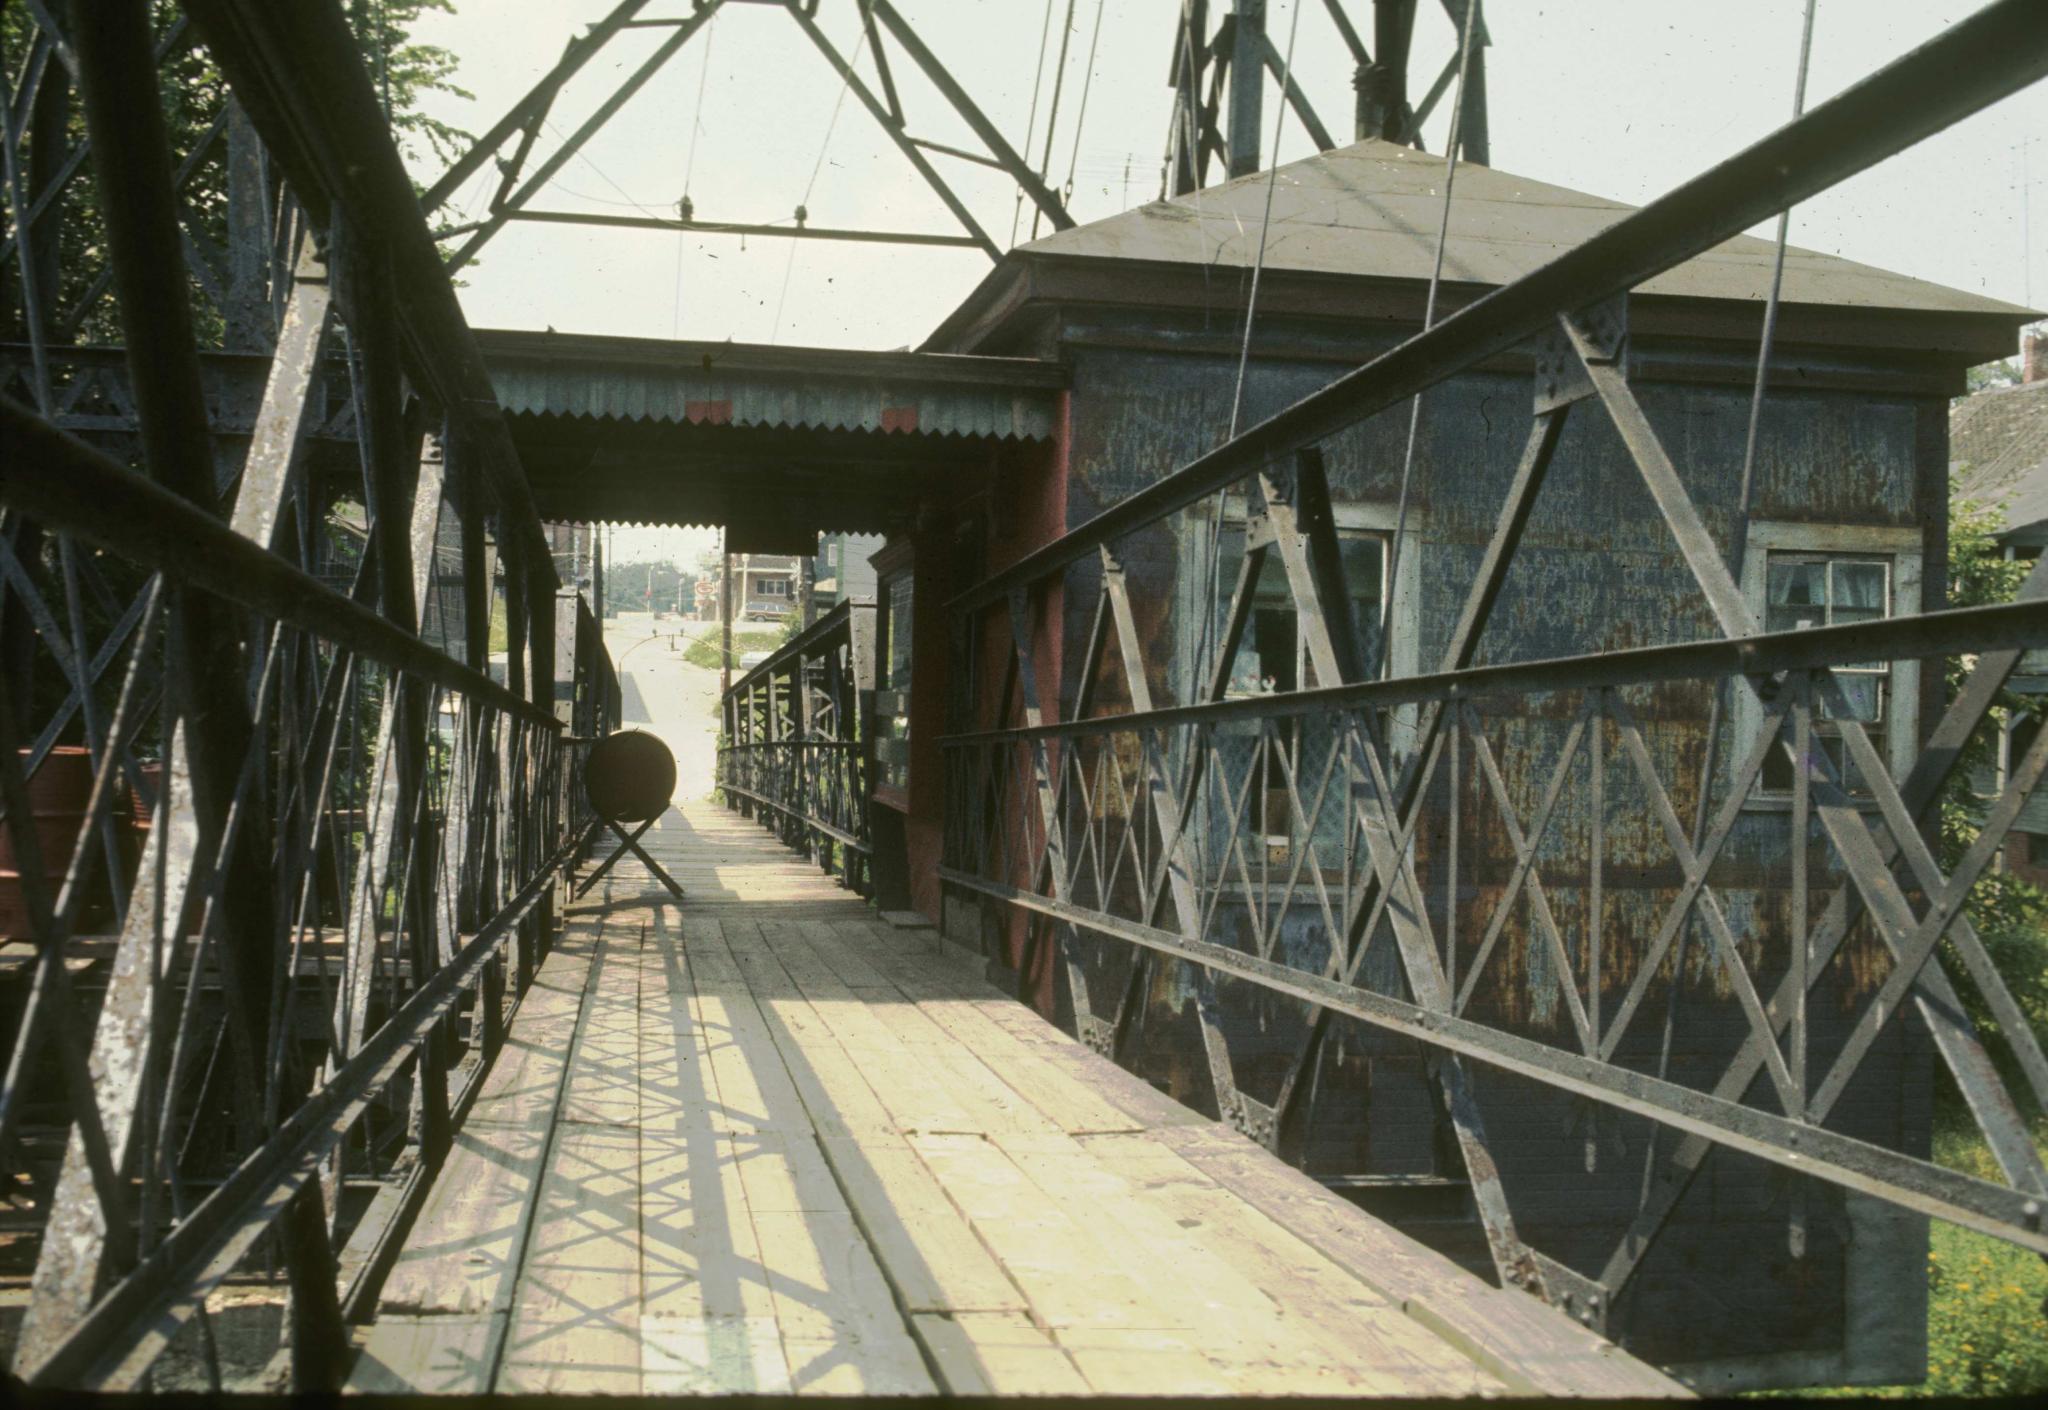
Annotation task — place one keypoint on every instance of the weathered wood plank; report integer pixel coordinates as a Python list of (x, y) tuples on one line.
[(602, 1087), (707, 1317), (576, 1320), (1358, 1326), (1063, 1080), (1528, 1347), (915, 1096), (766, 1143), (428, 1356), (1067, 1277), (1256, 1346), (931, 1256), (986, 1102), (996, 1353), (462, 1254), (754, 1090)]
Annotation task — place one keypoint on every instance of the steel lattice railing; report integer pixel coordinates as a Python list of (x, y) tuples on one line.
[(308, 858), (1391, 850), (798, 747)]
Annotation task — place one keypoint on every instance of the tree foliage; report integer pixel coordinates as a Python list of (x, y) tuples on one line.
[(2009, 914), (194, 96)]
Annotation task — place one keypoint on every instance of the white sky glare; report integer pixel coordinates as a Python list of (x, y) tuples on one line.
[(1619, 98)]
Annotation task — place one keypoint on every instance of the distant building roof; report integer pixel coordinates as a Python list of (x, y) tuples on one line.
[(2000, 439), (1372, 210)]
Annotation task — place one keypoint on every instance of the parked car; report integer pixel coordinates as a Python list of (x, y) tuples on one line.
[(761, 610), (751, 659)]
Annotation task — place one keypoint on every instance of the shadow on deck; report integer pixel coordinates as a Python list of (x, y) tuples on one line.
[(765, 1142)]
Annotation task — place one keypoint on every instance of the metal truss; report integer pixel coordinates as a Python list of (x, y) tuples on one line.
[(798, 745), (1147, 826), (1218, 78), (882, 25), (318, 852)]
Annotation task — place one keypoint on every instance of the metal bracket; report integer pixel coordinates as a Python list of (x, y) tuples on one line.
[(1561, 378), (1586, 1300), (1253, 1118), (1098, 1033)]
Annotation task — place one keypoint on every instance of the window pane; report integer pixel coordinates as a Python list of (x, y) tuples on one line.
[(892, 723), (1365, 569), (1837, 754), (1859, 591), (1859, 596), (1865, 695), (899, 632), (1797, 595), (1811, 589)]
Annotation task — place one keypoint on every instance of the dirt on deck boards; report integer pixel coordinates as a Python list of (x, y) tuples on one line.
[(766, 1141)]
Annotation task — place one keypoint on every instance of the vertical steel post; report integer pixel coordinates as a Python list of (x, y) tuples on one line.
[(1247, 84), (207, 675)]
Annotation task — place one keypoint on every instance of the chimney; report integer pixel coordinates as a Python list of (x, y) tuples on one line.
[(2034, 356)]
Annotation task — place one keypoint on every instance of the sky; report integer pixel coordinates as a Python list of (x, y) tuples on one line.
[(1620, 98)]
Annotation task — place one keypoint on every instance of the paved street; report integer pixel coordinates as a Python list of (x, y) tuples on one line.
[(667, 696)]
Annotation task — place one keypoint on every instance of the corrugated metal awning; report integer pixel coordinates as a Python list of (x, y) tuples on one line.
[(742, 385), (777, 443)]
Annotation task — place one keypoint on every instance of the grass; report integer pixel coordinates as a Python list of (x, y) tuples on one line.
[(703, 650), (1987, 1332)]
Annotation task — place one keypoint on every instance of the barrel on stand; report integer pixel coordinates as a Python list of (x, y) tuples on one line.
[(629, 777)]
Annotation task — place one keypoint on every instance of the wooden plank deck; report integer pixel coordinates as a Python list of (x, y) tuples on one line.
[(766, 1141)]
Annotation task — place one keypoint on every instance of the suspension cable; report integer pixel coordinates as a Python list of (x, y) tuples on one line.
[(1251, 309), (1081, 118), (697, 117), (789, 264), (1738, 550), (1436, 274), (1031, 124), (1212, 561), (683, 208), (1052, 116)]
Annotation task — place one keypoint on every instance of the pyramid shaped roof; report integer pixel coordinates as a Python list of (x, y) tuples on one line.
[(1372, 210)]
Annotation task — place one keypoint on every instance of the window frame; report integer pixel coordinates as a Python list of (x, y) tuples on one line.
[(891, 726), (1400, 620), (1903, 550), (1399, 624)]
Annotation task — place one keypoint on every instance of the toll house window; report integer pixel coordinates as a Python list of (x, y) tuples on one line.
[(892, 694), (1274, 656), (1805, 589)]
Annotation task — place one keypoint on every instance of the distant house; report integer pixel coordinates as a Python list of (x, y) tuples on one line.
[(843, 569), (1998, 446), (764, 586)]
